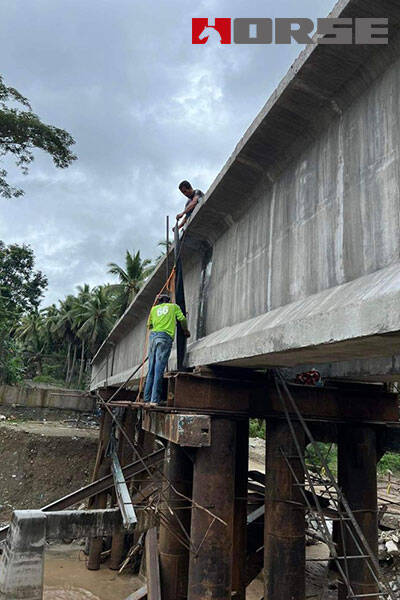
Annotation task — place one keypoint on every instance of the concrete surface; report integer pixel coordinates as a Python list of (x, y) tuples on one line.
[(46, 397), (21, 563), (294, 255)]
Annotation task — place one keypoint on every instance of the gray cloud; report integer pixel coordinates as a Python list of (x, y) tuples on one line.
[(147, 109)]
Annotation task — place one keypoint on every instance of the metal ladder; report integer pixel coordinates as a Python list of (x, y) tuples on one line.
[(321, 477)]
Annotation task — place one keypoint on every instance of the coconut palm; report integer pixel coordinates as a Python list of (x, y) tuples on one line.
[(95, 316), (79, 310), (31, 332), (51, 317), (65, 328), (131, 278)]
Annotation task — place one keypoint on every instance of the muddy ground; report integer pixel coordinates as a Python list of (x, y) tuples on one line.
[(66, 577), (42, 461)]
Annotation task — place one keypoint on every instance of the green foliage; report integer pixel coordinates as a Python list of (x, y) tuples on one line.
[(49, 380), (94, 316), (257, 428), (328, 451), (21, 131), (389, 462), (55, 344), (131, 278), (11, 362), (21, 287)]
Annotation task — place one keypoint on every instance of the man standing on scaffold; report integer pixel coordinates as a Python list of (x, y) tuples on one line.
[(162, 324)]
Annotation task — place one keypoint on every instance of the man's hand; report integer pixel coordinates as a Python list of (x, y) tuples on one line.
[(186, 333), (179, 216)]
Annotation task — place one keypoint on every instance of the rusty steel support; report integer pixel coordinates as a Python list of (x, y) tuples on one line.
[(146, 442), (174, 556), (210, 563), (284, 533), (118, 539), (240, 516), (182, 429), (100, 501), (357, 459)]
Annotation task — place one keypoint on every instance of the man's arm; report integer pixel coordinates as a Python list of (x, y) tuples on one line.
[(189, 207), (149, 322), (194, 202), (182, 320)]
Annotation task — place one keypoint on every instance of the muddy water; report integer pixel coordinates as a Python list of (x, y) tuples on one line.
[(66, 578)]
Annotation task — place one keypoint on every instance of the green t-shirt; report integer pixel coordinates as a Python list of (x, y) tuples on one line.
[(163, 318)]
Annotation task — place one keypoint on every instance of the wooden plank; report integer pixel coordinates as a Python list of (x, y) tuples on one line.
[(140, 594), (152, 565)]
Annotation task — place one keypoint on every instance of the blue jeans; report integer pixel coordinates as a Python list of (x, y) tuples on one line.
[(159, 351)]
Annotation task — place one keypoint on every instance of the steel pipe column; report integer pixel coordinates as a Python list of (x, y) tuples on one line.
[(210, 564), (284, 534), (174, 556), (240, 516), (357, 459), (102, 468)]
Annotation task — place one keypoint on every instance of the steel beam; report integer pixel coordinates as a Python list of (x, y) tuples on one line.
[(181, 429), (152, 565), (210, 563), (357, 458), (123, 496), (370, 405), (284, 526), (101, 485), (215, 393), (174, 556), (259, 398)]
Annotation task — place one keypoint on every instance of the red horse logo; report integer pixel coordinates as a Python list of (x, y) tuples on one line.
[(205, 29)]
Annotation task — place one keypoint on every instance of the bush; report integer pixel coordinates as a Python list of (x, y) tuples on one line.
[(48, 379), (257, 428), (11, 364), (389, 461)]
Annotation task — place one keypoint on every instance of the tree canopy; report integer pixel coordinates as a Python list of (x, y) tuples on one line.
[(55, 344), (131, 278), (21, 287), (22, 131)]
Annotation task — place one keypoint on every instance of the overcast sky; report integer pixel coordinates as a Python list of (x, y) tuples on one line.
[(146, 108)]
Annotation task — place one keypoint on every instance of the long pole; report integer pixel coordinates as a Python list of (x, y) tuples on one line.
[(167, 240)]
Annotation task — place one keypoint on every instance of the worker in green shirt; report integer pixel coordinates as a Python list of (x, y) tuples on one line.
[(162, 324)]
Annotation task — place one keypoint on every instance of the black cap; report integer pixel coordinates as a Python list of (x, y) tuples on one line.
[(164, 295)]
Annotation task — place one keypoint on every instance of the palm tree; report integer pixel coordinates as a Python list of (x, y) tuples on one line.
[(78, 314), (166, 246), (66, 330), (31, 332), (50, 320), (95, 317), (131, 278)]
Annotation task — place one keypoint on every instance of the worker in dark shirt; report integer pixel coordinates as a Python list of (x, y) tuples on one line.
[(193, 199)]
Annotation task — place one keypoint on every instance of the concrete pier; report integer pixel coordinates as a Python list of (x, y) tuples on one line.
[(21, 564)]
